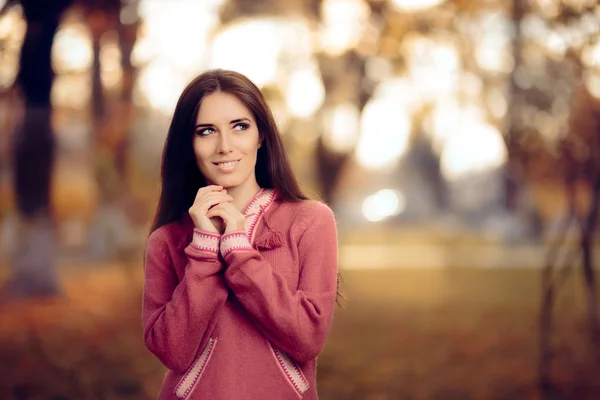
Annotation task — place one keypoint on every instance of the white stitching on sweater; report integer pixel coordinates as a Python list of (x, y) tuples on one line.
[(253, 212), (256, 209), (234, 241), (291, 370), (205, 241), (192, 376)]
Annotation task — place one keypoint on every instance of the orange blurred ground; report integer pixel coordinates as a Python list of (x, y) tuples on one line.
[(403, 334)]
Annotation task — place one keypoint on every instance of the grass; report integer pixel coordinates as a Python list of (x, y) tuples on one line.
[(403, 334)]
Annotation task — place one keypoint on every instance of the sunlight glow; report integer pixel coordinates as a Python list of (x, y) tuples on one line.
[(344, 22), (592, 83), (435, 65), (385, 127), (261, 46), (12, 32), (591, 55), (305, 92), (12, 22), (159, 87), (172, 47), (111, 72), (493, 42), (414, 5), (383, 204), (341, 128), (473, 147), (401, 90), (72, 48), (177, 34)]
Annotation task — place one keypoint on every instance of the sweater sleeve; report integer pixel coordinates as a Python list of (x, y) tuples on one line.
[(179, 316), (296, 321)]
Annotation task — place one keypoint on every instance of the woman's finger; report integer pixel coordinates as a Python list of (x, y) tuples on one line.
[(216, 211), (207, 189), (212, 199)]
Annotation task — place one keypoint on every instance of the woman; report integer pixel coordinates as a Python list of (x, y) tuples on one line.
[(241, 268)]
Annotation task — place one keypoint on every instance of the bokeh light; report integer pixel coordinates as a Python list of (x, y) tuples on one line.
[(72, 49), (384, 132), (383, 204), (341, 128), (473, 148), (414, 5), (343, 23)]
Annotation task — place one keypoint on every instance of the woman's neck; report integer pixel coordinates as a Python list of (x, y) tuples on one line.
[(242, 195)]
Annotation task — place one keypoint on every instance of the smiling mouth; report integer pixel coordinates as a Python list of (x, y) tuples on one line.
[(226, 164)]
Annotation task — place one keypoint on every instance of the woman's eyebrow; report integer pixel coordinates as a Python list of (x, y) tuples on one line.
[(233, 121)]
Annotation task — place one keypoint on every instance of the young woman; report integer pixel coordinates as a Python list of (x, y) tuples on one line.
[(241, 268)]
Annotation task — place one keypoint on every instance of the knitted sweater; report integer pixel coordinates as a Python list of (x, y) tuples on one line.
[(243, 315)]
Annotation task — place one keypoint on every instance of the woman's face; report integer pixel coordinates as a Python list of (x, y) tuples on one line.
[(226, 142)]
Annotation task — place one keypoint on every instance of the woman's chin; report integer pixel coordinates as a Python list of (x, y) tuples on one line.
[(226, 183)]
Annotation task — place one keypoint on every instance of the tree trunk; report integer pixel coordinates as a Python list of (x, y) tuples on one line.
[(512, 178), (545, 349), (329, 165), (551, 286), (587, 243), (33, 269)]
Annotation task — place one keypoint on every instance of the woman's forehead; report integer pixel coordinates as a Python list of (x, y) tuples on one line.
[(222, 106)]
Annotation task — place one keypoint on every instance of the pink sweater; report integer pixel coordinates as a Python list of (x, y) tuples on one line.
[(243, 315)]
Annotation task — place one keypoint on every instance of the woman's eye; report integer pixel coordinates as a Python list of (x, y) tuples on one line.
[(205, 131), (240, 127)]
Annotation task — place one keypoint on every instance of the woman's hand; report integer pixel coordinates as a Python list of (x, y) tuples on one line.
[(232, 217), (207, 197)]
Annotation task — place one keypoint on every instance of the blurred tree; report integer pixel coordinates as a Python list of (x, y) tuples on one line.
[(344, 74), (580, 162), (514, 165), (115, 21), (566, 149), (33, 271), (105, 17), (101, 16)]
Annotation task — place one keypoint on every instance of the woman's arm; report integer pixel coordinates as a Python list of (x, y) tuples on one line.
[(178, 317), (296, 321)]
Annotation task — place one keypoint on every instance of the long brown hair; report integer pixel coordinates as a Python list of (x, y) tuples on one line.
[(180, 175)]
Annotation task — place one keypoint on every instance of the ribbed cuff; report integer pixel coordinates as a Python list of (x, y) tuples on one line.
[(234, 241), (205, 241)]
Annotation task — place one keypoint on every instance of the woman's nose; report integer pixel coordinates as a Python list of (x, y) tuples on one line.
[(224, 143)]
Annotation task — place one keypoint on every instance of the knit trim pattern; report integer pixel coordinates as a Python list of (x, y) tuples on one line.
[(205, 241), (291, 370), (189, 381), (255, 210), (234, 241)]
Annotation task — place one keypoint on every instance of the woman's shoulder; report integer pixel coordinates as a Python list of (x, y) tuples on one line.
[(170, 234), (306, 211)]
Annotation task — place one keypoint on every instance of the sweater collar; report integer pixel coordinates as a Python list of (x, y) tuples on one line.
[(261, 200), (253, 211)]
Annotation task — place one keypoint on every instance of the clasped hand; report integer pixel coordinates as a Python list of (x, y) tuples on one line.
[(213, 211)]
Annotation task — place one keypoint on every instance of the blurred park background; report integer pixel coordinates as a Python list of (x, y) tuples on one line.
[(457, 141)]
